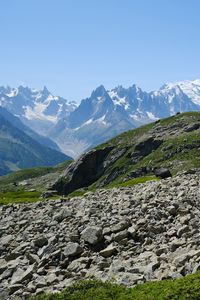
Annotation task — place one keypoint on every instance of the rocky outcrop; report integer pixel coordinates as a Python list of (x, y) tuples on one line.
[(162, 172), (129, 235), (83, 172), (146, 146), (92, 165)]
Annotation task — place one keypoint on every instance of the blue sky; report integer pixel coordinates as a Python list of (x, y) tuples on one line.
[(72, 46)]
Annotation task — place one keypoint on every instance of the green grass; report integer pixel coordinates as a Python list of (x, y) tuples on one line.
[(133, 181), (19, 197), (24, 174), (76, 193), (32, 173), (186, 288), (12, 181)]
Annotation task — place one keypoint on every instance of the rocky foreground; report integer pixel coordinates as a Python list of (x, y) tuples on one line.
[(129, 235)]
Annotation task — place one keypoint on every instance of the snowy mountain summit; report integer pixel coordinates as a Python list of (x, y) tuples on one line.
[(37, 108), (99, 117)]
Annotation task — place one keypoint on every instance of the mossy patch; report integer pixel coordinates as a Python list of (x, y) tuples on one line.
[(19, 197), (133, 181)]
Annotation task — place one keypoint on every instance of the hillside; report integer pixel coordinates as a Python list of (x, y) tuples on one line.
[(18, 150), (37, 178), (173, 143)]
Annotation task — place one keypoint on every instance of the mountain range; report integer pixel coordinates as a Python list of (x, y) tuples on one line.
[(106, 113)]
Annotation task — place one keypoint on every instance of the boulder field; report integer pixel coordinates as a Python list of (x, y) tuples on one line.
[(129, 235)]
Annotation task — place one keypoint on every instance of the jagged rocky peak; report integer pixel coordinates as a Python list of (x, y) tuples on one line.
[(45, 91), (99, 92)]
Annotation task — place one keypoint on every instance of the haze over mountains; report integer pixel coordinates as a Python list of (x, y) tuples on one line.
[(99, 117)]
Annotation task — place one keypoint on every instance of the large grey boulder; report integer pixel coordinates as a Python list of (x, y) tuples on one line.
[(83, 172), (162, 173), (92, 235)]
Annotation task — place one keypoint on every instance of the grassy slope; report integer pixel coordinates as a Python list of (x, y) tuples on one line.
[(187, 288), (178, 162), (19, 197), (32, 173), (12, 192)]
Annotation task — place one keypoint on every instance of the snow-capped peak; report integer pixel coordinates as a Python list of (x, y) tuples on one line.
[(33, 104), (190, 88)]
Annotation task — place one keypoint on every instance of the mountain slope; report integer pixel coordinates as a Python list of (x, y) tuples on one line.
[(172, 143), (76, 128), (17, 123), (18, 150), (95, 120)]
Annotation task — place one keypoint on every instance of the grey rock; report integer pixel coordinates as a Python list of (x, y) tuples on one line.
[(120, 235), (72, 249), (33, 258), (15, 287), (20, 275), (41, 241), (5, 240), (120, 226), (132, 230), (108, 251), (61, 215), (182, 230), (92, 235), (162, 173)]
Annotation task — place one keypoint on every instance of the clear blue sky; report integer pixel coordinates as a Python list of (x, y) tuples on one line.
[(72, 46)]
